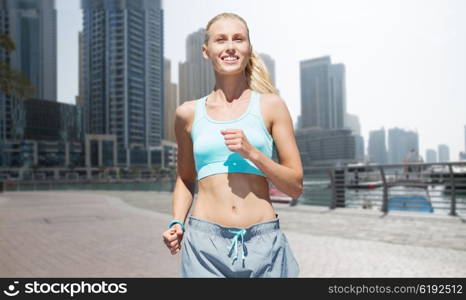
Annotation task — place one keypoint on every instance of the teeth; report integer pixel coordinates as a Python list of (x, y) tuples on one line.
[(230, 58)]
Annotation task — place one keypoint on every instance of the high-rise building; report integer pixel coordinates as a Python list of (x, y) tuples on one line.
[(323, 93), (323, 110), (298, 123), (443, 153), (79, 98), (170, 103), (270, 64), (360, 145), (400, 144), (325, 147), (377, 150), (196, 75), (431, 156), (49, 133), (352, 122), (32, 26), (462, 156), (122, 56)]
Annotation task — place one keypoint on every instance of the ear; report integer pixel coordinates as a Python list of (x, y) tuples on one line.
[(204, 52)]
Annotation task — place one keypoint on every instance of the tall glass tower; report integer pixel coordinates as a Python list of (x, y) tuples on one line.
[(377, 149), (323, 94), (32, 26), (196, 77), (122, 46)]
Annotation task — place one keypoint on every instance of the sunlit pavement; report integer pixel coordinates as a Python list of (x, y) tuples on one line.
[(80, 234), (117, 234)]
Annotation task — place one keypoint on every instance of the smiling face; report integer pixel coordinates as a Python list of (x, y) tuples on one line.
[(228, 46)]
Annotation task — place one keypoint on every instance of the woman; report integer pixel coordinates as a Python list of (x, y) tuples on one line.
[(226, 139)]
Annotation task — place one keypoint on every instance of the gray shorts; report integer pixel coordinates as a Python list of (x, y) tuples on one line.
[(211, 250)]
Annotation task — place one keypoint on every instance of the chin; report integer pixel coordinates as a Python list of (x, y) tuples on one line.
[(230, 72)]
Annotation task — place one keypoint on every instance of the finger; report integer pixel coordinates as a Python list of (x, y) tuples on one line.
[(173, 244), (230, 130), (231, 136), (234, 147), (169, 233), (173, 249), (179, 230), (233, 141), (170, 238)]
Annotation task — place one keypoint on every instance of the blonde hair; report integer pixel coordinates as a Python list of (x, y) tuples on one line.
[(256, 72)]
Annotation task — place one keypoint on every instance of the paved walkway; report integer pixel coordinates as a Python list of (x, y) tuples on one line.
[(117, 234), (80, 234)]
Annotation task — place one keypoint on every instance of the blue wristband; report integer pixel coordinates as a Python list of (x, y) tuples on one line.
[(176, 222)]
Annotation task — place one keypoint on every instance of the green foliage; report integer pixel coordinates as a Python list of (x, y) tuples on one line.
[(12, 82)]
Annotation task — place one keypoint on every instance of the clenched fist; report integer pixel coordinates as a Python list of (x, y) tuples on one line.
[(236, 141), (172, 238)]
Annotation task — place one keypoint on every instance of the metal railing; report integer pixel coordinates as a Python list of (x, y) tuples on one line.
[(425, 187)]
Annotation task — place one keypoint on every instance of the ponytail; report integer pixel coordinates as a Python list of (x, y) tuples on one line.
[(257, 75)]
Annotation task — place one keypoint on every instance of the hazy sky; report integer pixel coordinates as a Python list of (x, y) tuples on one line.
[(405, 60)]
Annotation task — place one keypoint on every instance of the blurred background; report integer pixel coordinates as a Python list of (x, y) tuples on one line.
[(88, 156), (89, 89)]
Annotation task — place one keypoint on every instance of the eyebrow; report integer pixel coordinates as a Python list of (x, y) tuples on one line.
[(223, 34)]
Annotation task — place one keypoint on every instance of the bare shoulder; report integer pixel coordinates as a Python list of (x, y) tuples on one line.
[(274, 106), (185, 112)]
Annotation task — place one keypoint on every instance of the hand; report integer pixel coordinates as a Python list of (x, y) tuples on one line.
[(172, 238), (236, 141)]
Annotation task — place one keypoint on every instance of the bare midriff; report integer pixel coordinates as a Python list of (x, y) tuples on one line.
[(233, 200)]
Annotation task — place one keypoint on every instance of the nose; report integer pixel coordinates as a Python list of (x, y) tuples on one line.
[(230, 46)]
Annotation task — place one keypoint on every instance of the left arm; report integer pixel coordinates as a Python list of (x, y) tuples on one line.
[(287, 175)]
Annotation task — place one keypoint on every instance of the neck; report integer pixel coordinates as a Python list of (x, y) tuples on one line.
[(231, 87)]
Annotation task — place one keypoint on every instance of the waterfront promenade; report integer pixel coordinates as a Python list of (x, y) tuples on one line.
[(118, 234)]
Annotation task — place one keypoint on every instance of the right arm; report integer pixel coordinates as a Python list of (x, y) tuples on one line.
[(183, 193)]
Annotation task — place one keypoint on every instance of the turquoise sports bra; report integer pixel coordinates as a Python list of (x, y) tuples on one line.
[(212, 156)]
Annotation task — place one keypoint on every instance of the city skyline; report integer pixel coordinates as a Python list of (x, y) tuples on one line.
[(402, 71)]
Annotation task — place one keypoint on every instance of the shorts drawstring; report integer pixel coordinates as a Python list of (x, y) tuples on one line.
[(234, 243)]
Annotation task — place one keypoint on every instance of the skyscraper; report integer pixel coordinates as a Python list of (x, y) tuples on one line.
[(123, 74), (325, 147), (79, 98), (400, 143), (32, 26), (323, 93), (170, 103), (377, 150), (431, 156), (196, 75), (352, 122), (443, 153)]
